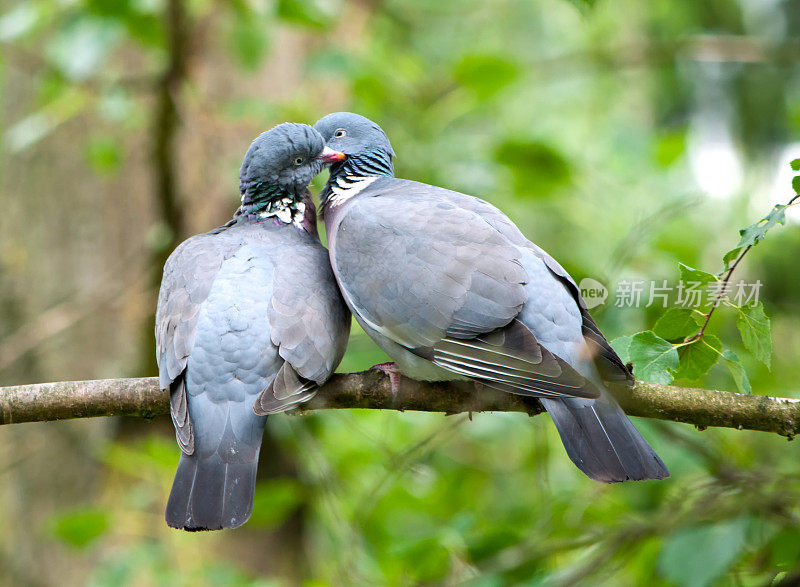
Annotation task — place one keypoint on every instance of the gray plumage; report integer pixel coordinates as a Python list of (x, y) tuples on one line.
[(449, 287), (249, 320)]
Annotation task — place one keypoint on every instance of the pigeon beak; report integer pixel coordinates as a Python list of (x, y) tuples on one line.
[(328, 155)]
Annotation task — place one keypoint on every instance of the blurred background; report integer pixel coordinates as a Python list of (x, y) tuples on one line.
[(621, 136)]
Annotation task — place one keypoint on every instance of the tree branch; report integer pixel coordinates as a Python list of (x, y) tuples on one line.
[(372, 390)]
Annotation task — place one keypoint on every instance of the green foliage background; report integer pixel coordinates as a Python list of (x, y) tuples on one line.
[(589, 123)]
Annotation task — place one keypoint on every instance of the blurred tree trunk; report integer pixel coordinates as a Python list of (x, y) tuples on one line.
[(166, 190)]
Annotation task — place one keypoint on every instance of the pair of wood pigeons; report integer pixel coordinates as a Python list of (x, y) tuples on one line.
[(253, 315)]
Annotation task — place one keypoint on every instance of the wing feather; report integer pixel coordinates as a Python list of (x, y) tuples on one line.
[(188, 276), (514, 358), (285, 391), (421, 276), (308, 319)]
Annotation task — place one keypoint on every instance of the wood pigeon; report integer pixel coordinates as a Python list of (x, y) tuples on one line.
[(449, 288), (249, 322)]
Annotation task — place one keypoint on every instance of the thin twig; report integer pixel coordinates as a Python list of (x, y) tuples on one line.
[(720, 294), (722, 290)]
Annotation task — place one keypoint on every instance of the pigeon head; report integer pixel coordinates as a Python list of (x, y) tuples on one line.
[(281, 163), (369, 152), (353, 134)]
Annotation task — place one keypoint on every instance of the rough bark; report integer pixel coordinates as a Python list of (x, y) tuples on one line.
[(372, 390)]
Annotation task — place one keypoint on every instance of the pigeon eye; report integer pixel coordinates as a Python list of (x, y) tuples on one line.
[(298, 160), (340, 133)]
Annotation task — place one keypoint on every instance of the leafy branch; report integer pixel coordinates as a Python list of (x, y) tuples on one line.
[(679, 346)]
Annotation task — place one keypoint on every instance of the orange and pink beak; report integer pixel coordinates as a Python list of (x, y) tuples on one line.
[(328, 155)]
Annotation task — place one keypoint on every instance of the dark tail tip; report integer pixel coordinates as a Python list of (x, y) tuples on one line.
[(208, 494), (603, 442)]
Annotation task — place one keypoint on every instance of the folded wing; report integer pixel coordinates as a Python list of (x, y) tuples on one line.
[(438, 279)]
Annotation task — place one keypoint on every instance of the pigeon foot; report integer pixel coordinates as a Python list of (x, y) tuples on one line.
[(393, 371)]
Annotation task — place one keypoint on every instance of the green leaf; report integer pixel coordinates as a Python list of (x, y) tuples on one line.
[(27, 132), (795, 164), (371, 90), (697, 358), (785, 548), (538, 168), (729, 257), (152, 456), (248, 39), (112, 8), (20, 21), (622, 347), (756, 331), (737, 371), (311, 13), (676, 323), (330, 62), (690, 274), (654, 359), (755, 233), (670, 147), (583, 5), (696, 556), (796, 184), (80, 48), (80, 527), (103, 155), (485, 74), (148, 29), (143, 20)]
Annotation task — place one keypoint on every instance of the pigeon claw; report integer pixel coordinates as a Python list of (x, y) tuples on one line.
[(393, 371)]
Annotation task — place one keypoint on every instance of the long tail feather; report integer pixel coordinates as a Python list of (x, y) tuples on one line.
[(209, 494), (602, 441)]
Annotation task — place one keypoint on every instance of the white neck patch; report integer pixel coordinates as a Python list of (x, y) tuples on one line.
[(287, 213), (347, 187)]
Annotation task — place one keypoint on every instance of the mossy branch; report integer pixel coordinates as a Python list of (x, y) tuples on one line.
[(372, 390)]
